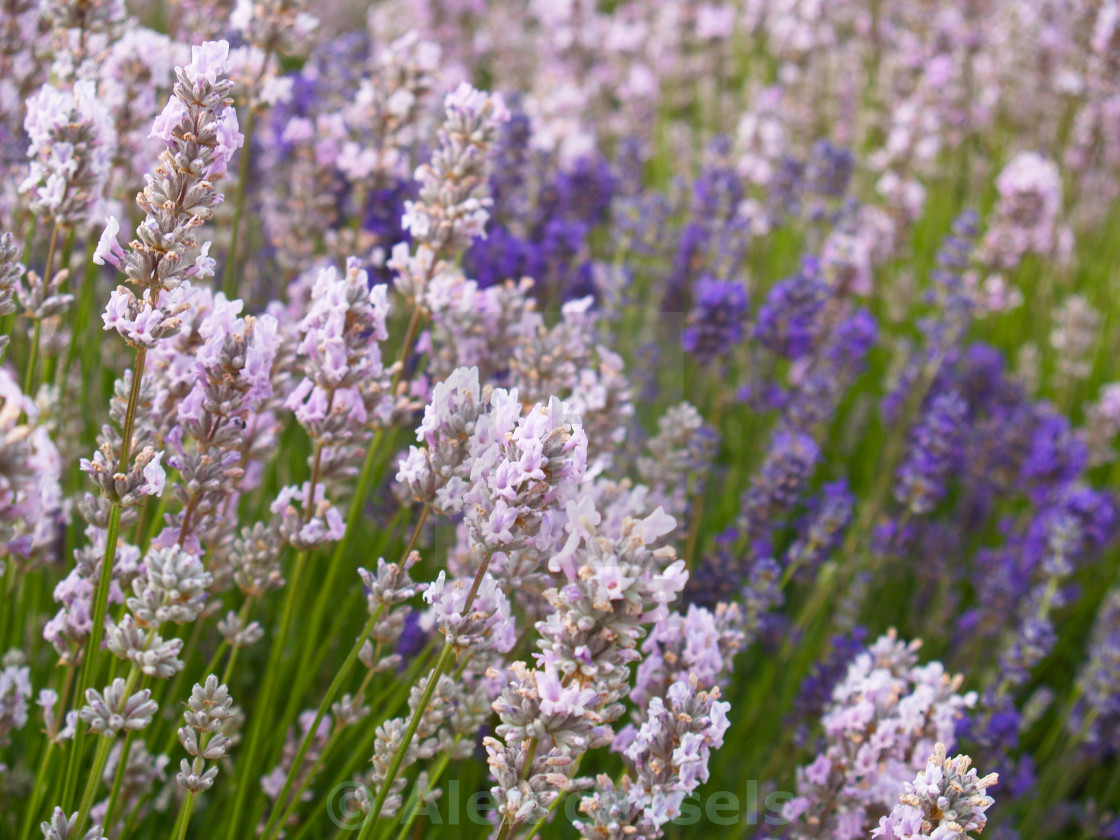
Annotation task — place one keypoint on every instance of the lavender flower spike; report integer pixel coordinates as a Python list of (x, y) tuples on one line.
[(72, 144), (947, 800), (208, 713), (111, 711), (198, 126)]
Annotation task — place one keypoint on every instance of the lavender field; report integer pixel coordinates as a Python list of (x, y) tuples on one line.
[(605, 419)]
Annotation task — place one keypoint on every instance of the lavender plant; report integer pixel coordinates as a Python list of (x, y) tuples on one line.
[(564, 397)]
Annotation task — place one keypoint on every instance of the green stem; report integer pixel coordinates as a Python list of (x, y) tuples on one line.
[(33, 357), (309, 737), (184, 817), (118, 781), (327, 592), (365, 480), (229, 282), (36, 791), (397, 699), (101, 596), (262, 711), (50, 363), (101, 758), (84, 311), (229, 285), (10, 575), (100, 607), (433, 780), (276, 820), (445, 659), (332, 742)]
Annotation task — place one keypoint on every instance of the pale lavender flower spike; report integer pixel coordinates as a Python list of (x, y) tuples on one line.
[(946, 801), (488, 621), (203, 736), (199, 128), (71, 151)]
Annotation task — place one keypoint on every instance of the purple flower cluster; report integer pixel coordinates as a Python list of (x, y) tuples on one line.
[(886, 713), (934, 448), (946, 799), (716, 323), (668, 759)]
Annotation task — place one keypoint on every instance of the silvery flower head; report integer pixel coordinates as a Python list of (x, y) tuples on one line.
[(307, 523), (451, 209), (199, 130), (885, 714), (283, 25), (255, 557), (61, 827), (145, 648), (15, 691), (524, 468), (390, 584), (946, 801), (209, 711), (343, 324), (445, 432), (108, 712), (71, 151), (486, 621), (671, 750), (86, 15), (1098, 711), (612, 590), (537, 704), (10, 273), (172, 587), (526, 786)]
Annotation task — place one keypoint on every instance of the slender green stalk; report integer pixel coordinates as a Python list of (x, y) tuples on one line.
[(444, 661), (118, 779), (697, 514), (32, 358), (1059, 777), (332, 742), (188, 803), (100, 759), (336, 685), (83, 315), (265, 703), (433, 778), (50, 363), (184, 816), (37, 790), (327, 594), (10, 576), (365, 479), (396, 699), (441, 666), (229, 274), (33, 353), (101, 596), (328, 698)]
